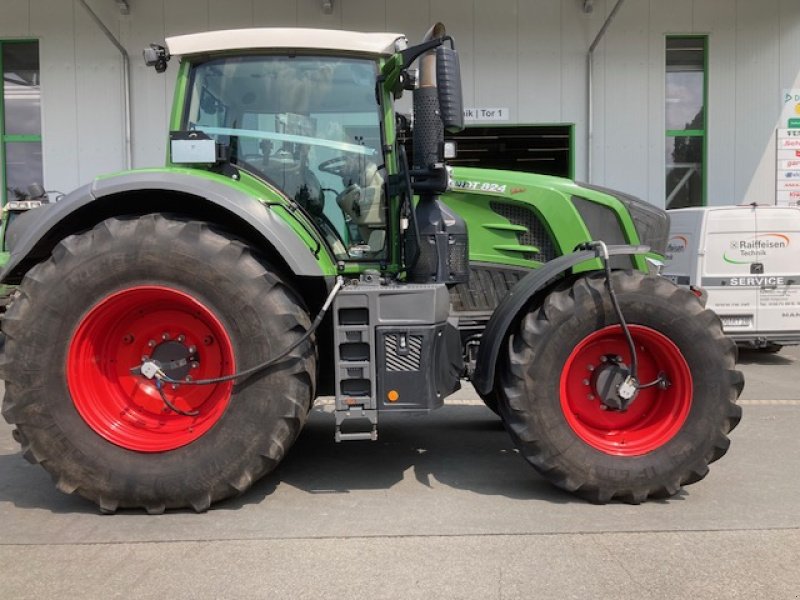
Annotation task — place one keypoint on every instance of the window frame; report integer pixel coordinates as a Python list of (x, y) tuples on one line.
[(691, 133), (14, 138)]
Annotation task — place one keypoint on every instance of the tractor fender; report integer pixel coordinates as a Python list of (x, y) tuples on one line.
[(517, 299), (38, 228)]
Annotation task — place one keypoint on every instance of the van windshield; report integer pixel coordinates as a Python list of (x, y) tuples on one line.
[(310, 126)]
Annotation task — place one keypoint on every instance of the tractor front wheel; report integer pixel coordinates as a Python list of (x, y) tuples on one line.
[(559, 397), (164, 289)]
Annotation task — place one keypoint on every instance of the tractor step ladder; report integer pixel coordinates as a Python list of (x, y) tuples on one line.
[(356, 409)]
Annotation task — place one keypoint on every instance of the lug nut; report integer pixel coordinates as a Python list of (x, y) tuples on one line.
[(590, 368), (585, 382), (151, 343), (195, 364), (165, 336), (144, 357), (590, 397), (181, 337), (192, 350)]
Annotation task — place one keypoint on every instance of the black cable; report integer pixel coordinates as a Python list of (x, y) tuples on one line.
[(618, 310), (254, 369), (661, 379), (170, 405)]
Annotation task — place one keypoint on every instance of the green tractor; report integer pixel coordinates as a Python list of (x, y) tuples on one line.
[(170, 328)]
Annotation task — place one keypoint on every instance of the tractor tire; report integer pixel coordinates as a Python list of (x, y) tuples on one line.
[(490, 400), (667, 437), (171, 289)]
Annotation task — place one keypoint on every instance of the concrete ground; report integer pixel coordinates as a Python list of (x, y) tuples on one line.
[(440, 507)]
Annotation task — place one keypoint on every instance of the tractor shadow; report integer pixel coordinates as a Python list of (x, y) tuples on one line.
[(28, 486), (463, 447)]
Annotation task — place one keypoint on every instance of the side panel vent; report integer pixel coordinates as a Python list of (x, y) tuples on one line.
[(486, 287), (537, 234), (403, 352)]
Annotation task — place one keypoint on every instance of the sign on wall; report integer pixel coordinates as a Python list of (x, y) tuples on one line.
[(790, 114), (787, 179), (486, 114)]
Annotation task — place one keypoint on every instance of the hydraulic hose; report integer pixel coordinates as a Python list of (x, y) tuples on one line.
[(151, 369)]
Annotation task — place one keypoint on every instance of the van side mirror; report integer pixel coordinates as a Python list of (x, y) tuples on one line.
[(448, 82)]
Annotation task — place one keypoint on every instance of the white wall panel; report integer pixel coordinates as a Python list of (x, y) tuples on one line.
[(364, 15), (98, 95), (529, 55), (15, 21), (717, 19), (626, 96), (790, 43), (54, 25), (673, 18), (310, 14), (144, 26), (274, 13), (539, 64), (495, 55), (578, 31), (757, 99), (231, 14)]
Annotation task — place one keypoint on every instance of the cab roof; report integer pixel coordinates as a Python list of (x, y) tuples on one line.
[(265, 38)]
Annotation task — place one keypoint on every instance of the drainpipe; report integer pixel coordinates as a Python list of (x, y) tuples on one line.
[(589, 85), (126, 81)]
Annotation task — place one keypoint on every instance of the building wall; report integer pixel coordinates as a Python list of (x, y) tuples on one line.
[(527, 55)]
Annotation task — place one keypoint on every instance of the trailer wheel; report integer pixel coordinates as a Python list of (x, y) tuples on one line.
[(176, 291), (564, 353)]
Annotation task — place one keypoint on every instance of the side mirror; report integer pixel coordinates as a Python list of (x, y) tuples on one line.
[(448, 82)]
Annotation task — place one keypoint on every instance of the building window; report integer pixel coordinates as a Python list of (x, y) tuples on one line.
[(20, 119), (686, 93)]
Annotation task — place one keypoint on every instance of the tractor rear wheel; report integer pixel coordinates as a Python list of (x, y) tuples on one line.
[(175, 291), (563, 360)]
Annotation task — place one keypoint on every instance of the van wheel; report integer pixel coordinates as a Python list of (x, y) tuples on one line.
[(556, 404), (771, 348)]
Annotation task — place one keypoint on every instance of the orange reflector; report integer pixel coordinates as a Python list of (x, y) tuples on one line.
[(392, 395)]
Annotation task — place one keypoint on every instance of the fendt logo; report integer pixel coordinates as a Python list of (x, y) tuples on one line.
[(754, 248), (677, 244)]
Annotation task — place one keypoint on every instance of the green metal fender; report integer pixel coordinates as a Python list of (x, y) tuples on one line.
[(515, 301), (32, 236)]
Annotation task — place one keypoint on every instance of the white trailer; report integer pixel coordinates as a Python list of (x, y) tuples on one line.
[(748, 260)]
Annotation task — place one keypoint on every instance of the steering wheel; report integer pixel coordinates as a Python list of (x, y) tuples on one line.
[(334, 166)]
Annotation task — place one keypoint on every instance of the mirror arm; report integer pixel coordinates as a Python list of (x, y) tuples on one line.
[(411, 54)]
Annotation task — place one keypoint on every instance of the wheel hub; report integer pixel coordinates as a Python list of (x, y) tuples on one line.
[(149, 323), (606, 381), (593, 407), (175, 359)]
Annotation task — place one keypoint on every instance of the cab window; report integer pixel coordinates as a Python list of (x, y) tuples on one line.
[(311, 127)]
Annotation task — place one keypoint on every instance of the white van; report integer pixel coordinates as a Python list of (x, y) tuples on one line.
[(748, 260)]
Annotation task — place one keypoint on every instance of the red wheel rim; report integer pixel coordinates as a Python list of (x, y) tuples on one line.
[(116, 335), (656, 414)]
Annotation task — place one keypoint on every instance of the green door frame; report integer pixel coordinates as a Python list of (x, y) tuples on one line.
[(703, 133), (4, 138)]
